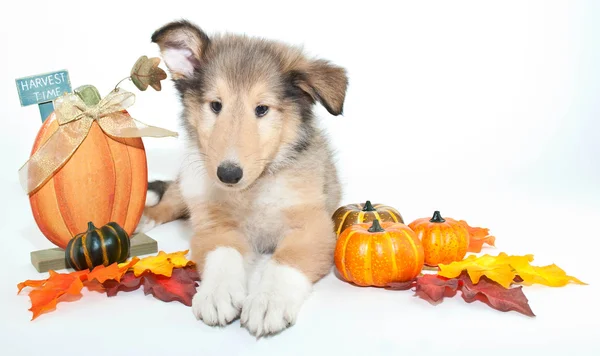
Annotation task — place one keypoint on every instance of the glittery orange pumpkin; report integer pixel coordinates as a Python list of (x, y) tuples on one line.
[(375, 254), (444, 240), (104, 180)]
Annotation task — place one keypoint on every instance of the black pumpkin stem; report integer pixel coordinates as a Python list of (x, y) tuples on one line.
[(376, 227), (368, 206), (437, 218), (91, 226)]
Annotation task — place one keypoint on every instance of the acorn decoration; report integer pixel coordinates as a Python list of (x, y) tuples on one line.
[(98, 246)]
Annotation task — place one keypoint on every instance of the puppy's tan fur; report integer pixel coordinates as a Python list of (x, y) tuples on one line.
[(289, 189)]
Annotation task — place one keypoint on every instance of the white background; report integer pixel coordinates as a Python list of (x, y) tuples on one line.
[(487, 112)]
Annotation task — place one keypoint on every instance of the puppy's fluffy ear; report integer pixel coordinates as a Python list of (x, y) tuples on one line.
[(325, 83), (182, 45)]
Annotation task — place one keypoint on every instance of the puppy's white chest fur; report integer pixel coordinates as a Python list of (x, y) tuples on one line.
[(259, 209), (264, 222)]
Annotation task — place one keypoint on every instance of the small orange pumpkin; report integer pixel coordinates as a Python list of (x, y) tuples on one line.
[(444, 240), (104, 180), (376, 254), (348, 215)]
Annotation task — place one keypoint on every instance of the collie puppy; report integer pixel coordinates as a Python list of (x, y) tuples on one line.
[(258, 183)]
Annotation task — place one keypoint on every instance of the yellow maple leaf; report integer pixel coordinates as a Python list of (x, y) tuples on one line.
[(550, 275), (503, 269), (179, 259), (476, 267), (162, 264)]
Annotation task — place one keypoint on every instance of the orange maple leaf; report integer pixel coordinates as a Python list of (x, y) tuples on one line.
[(57, 287), (114, 271), (67, 286), (477, 237)]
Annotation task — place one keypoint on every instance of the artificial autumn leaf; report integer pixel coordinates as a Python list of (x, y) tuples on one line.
[(433, 288), (146, 72), (162, 264), (34, 283), (94, 286), (57, 287), (495, 295), (476, 243), (402, 285), (125, 266), (495, 268), (128, 283), (430, 287), (181, 286), (114, 278), (550, 275), (503, 269), (192, 272), (477, 237), (114, 271), (102, 273)]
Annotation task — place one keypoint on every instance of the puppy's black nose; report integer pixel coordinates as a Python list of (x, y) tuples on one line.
[(229, 173)]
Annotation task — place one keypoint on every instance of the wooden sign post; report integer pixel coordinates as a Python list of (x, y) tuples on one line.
[(54, 258), (42, 89)]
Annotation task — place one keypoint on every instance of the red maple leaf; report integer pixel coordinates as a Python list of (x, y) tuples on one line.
[(495, 295), (402, 285), (430, 287), (128, 283), (434, 288), (181, 286)]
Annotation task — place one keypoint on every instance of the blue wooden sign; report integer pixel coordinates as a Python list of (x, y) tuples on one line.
[(42, 89)]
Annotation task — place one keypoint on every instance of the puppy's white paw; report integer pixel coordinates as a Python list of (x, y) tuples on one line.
[(275, 299), (146, 224), (222, 290)]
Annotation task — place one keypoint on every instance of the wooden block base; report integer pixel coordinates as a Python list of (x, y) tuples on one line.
[(54, 258)]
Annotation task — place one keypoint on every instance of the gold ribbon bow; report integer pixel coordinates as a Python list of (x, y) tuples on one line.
[(75, 120)]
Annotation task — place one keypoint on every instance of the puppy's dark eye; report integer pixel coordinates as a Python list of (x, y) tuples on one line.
[(261, 110), (216, 107)]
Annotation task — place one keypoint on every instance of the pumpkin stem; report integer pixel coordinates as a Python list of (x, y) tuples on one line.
[(376, 227), (437, 218), (368, 206), (88, 94), (91, 226)]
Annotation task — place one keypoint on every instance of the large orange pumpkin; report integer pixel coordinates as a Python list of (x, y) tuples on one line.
[(375, 254), (348, 215), (444, 240), (104, 181)]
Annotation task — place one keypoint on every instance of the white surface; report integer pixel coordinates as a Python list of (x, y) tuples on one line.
[(488, 113)]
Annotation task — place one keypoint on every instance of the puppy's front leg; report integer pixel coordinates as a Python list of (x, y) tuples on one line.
[(219, 254), (281, 283)]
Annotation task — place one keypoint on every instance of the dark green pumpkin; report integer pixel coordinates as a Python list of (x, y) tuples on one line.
[(97, 246)]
